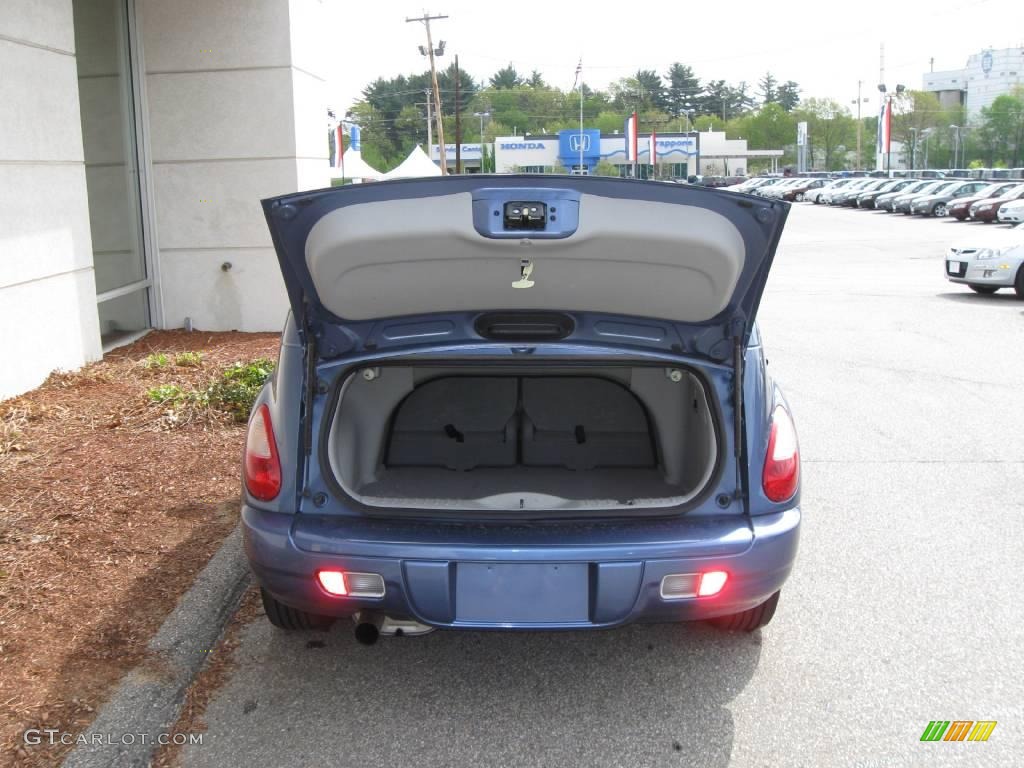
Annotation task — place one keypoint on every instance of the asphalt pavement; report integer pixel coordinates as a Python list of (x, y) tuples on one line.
[(904, 606)]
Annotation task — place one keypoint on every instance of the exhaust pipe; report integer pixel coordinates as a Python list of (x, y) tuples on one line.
[(368, 626), (371, 626)]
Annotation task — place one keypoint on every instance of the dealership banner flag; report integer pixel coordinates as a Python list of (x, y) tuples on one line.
[(339, 145), (631, 139), (883, 128), (653, 148)]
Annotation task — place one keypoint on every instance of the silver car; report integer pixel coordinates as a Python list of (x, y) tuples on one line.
[(990, 261)]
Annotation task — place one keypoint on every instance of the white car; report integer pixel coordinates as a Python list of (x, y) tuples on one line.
[(855, 184), (989, 261), (778, 190), (815, 195), (1011, 213)]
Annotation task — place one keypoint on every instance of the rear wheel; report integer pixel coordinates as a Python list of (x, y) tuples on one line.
[(799, 197), (987, 289), (750, 619), (940, 210), (1018, 284), (286, 617)]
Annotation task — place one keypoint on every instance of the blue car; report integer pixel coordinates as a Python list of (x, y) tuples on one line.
[(522, 403)]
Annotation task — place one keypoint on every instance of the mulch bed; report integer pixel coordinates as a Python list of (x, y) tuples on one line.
[(109, 507)]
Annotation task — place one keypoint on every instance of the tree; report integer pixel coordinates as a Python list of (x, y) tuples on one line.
[(740, 100), (769, 89), (536, 80), (683, 88), (771, 127), (915, 112), (1001, 129), (506, 78), (642, 91), (829, 128), (715, 99), (789, 95)]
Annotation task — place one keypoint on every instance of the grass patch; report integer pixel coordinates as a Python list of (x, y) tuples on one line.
[(155, 360), (189, 359)]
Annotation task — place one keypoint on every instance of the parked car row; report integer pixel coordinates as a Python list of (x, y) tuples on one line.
[(987, 262), (963, 199)]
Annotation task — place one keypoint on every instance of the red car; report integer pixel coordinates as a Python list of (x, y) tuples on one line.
[(796, 193), (986, 210), (960, 208)]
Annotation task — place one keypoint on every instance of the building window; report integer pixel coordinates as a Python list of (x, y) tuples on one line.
[(106, 84)]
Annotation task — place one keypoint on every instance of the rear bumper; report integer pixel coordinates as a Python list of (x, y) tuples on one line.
[(420, 565)]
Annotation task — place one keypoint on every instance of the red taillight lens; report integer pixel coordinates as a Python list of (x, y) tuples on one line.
[(782, 464), (333, 582), (262, 465), (711, 583)]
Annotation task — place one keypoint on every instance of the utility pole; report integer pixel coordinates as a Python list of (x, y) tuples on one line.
[(425, 19), (458, 121)]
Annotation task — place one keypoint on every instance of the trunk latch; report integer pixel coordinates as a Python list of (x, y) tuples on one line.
[(525, 215)]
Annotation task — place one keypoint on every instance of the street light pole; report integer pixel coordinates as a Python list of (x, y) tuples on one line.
[(481, 115), (860, 124), (913, 148), (956, 145)]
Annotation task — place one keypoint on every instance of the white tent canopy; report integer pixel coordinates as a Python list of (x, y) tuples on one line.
[(354, 167), (417, 164)]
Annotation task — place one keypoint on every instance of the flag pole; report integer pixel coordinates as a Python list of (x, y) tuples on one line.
[(579, 80)]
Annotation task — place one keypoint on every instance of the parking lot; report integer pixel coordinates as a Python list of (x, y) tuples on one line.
[(903, 607)]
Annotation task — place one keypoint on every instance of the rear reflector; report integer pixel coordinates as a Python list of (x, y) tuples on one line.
[(781, 476), (680, 585), (262, 465), (711, 583), (342, 584)]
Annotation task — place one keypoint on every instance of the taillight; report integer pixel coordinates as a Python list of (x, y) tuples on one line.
[(262, 465), (711, 583), (333, 582), (782, 464)]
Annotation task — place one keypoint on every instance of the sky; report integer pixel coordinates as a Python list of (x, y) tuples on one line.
[(826, 47)]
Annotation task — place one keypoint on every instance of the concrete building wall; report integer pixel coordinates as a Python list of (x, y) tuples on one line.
[(47, 290), (987, 75), (236, 111)]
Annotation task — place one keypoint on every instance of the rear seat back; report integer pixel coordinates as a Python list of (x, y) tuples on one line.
[(583, 423), (575, 422), (458, 422)]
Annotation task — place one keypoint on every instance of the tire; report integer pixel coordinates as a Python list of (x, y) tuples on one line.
[(799, 197), (940, 210), (285, 617), (750, 619), (1018, 284), (986, 290)]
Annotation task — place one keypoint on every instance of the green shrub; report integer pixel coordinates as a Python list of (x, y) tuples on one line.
[(239, 386), (166, 394), (155, 360)]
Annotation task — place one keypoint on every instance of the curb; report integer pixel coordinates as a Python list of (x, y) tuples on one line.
[(148, 700)]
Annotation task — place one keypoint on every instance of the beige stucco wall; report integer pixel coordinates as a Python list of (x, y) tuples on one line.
[(47, 291), (236, 104)]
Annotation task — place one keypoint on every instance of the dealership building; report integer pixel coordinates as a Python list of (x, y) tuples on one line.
[(678, 155), (137, 139), (987, 75)]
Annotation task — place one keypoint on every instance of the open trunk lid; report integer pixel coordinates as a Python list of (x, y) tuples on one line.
[(359, 256)]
